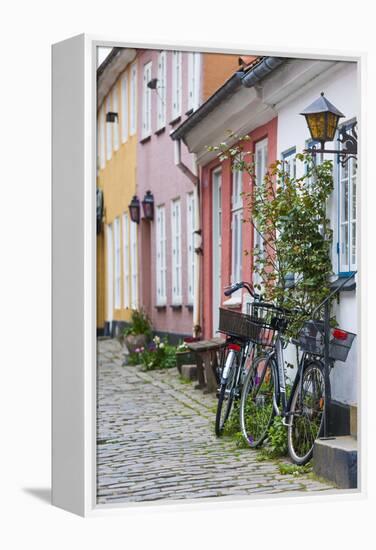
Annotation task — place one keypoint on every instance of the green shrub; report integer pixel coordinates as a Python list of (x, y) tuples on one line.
[(140, 324)]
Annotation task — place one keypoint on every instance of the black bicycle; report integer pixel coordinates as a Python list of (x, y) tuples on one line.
[(235, 359), (264, 393)]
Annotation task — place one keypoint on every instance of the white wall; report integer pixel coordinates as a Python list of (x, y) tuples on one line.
[(341, 88)]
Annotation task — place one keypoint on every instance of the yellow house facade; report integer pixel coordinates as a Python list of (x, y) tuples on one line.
[(117, 258)]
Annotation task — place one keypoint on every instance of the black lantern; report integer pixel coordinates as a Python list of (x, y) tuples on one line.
[(112, 117), (322, 119), (148, 206), (134, 209)]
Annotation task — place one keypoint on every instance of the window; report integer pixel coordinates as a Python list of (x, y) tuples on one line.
[(289, 160), (161, 255), (126, 259), (191, 246), (193, 80), (134, 265), (176, 252), (133, 100), (115, 107), (146, 102), (176, 84), (261, 167), (124, 108), (347, 214), (117, 262), (102, 134), (161, 91), (108, 130), (236, 227)]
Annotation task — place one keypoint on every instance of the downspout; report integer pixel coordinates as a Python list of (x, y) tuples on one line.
[(197, 234)]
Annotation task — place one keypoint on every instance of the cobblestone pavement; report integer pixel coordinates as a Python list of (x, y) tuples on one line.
[(156, 441)]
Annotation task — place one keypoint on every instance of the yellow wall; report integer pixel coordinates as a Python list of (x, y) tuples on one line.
[(118, 181)]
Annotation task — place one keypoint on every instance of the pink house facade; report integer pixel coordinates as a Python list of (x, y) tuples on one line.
[(171, 85)]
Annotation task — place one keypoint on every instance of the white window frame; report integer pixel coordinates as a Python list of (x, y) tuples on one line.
[(260, 171), (176, 252), (133, 101), (347, 251), (108, 129), (161, 250), (236, 226), (126, 266), (191, 256), (146, 101), (176, 84), (102, 137), (194, 66), (134, 265), (115, 108), (289, 160), (161, 90), (117, 264), (124, 108)]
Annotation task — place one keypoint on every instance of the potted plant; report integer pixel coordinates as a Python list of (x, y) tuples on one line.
[(139, 332), (185, 356)]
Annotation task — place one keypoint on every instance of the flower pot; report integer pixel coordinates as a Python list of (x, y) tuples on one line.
[(134, 341), (185, 358)]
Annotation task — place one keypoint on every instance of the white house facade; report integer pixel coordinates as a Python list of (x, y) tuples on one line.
[(340, 86)]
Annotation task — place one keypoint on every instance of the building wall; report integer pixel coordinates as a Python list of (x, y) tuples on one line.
[(341, 88), (117, 179), (156, 171), (269, 131), (216, 69)]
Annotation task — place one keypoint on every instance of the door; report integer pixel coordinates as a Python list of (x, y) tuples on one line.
[(217, 247), (110, 276)]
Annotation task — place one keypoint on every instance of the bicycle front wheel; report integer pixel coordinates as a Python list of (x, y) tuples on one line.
[(226, 396), (306, 413), (256, 405)]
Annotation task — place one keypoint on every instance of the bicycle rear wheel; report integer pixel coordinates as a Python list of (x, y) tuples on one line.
[(307, 411), (256, 405)]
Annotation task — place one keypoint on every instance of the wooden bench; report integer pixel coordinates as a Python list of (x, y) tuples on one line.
[(206, 357)]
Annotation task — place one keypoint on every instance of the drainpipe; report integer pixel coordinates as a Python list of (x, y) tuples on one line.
[(192, 175)]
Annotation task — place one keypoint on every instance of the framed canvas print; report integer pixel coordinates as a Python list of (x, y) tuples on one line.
[(206, 274)]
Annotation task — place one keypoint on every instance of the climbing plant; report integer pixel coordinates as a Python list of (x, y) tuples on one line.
[(288, 213)]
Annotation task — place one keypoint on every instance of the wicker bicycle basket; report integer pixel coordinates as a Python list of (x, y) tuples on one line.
[(260, 326), (311, 340)]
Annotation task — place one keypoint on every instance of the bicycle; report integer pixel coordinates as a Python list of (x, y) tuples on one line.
[(264, 393), (235, 356)]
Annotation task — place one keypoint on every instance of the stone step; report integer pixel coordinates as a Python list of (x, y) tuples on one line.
[(189, 372), (337, 460)]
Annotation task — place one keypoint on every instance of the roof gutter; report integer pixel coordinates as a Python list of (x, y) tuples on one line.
[(260, 71)]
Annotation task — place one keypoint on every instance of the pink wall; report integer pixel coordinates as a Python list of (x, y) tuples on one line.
[(268, 130), (157, 172)]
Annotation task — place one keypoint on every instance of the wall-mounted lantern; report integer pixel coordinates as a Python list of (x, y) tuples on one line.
[(112, 117), (148, 206), (322, 120), (134, 209), (99, 210)]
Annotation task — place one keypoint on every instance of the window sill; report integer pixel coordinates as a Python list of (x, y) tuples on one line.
[(176, 306), (160, 307), (175, 120), (189, 306), (145, 139), (189, 112), (160, 131)]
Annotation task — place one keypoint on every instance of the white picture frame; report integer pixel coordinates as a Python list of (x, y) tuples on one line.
[(74, 267)]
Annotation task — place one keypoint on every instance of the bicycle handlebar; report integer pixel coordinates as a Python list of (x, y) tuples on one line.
[(241, 284)]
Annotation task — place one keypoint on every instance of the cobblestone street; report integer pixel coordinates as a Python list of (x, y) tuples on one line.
[(156, 441)]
